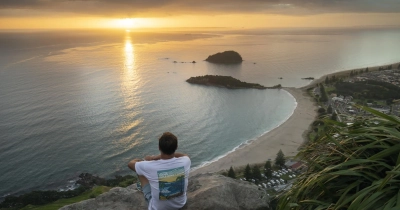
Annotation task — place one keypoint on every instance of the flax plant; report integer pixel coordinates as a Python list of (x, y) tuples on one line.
[(350, 167)]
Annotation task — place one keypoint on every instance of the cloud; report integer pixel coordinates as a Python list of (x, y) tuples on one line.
[(185, 7)]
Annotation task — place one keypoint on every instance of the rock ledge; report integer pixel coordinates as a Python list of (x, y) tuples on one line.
[(205, 191)]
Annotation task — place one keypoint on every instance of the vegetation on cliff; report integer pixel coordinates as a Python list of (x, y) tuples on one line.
[(223, 81), (350, 167), (227, 57), (84, 191)]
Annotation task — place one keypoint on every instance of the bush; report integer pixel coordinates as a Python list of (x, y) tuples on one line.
[(359, 169)]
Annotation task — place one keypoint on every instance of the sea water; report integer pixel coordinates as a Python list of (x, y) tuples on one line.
[(90, 101)]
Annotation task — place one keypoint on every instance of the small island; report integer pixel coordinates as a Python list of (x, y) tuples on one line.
[(227, 57), (308, 78), (226, 81)]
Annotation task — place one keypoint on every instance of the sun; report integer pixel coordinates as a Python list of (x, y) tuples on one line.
[(126, 23), (131, 23)]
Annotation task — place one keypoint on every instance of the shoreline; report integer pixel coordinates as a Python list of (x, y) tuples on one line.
[(288, 136)]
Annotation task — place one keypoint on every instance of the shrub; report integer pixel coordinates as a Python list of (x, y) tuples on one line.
[(359, 169)]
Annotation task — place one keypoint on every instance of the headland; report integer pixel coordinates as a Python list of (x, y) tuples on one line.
[(224, 81)]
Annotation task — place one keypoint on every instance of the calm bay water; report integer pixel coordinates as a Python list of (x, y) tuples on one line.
[(73, 102)]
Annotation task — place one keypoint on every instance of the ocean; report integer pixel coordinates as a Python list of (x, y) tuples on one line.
[(90, 101)]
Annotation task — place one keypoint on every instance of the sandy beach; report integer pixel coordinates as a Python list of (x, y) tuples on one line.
[(287, 137)]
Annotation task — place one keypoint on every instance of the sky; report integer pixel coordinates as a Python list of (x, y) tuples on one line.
[(59, 14)]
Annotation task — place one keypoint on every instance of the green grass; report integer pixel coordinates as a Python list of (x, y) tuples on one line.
[(127, 182), (330, 88), (63, 202)]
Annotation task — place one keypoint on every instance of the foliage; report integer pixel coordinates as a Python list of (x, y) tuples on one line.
[(39, 198), (268, 169), (321, 111), (247, 172), (86, 181), (370, 89), (326, 80), (280, 159), (324, 96), (225, 81), (357, 169), (334, 116), (231, 173), (318, 123), (256, 172), (96, 191), (329, 110)]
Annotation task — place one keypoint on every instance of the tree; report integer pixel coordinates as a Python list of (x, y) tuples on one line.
[(280, 159), (367, 70), (326, 80), (256, 172), (333, 79), (357, 170), (329, 110), (247, 173), (324, 96), (398, 67), (389, 101), (334, 116), (231, 173), (321, 111), (268, 169)]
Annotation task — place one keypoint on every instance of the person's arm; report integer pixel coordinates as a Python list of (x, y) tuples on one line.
[(158, 157), (132, 163), (152, 157), (178, 155)]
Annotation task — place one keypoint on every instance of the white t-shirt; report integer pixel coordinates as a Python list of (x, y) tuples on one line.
[(168, 181)]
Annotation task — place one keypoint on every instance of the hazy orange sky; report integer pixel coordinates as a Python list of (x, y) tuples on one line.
[(59, 14)]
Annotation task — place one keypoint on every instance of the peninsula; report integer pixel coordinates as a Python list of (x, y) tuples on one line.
[(223, 81), (227, 57)]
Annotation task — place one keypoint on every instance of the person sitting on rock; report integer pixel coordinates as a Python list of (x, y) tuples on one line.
[(164, 177)]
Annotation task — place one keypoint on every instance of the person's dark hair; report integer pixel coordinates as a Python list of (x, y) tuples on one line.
[(168, 143)]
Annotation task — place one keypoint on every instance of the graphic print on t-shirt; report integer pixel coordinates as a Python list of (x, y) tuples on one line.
[(171, 182)]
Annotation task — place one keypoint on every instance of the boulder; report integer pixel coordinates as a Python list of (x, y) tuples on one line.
[(208, 191), (205, 191)]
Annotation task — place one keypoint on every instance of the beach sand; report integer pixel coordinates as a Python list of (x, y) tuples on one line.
[(287, 137)]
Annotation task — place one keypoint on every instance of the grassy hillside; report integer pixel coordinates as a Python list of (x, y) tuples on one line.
[(350, 167)]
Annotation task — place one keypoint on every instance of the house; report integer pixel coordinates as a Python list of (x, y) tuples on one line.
[(294, 165), (297, 166)]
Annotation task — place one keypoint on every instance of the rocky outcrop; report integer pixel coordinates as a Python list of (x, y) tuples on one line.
[(205, 191), (227, 57)]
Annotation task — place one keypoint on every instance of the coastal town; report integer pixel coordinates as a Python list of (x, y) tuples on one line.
[(345, 105)]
